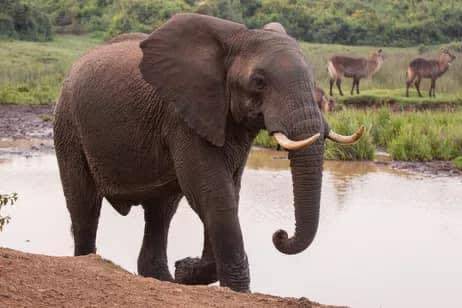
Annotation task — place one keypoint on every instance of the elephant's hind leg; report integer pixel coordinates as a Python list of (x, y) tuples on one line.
[(82, 197), (152, 261), (196, 271)]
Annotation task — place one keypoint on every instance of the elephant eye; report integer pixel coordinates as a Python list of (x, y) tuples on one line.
[(258, 82)]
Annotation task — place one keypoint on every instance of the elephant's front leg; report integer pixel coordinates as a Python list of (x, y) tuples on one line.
[(226, 238), (209, 187)]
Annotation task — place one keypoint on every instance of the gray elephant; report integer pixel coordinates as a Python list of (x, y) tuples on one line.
[(148, 120)]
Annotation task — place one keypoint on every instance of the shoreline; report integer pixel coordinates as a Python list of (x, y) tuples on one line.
[(26, 130)]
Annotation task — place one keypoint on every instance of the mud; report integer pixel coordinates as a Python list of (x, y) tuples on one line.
[(29, 280), (26, 122), (367, 104), (431, 168)]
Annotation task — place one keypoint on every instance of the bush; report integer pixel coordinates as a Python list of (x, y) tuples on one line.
[(458, 162), (5, 200), (23, 21)]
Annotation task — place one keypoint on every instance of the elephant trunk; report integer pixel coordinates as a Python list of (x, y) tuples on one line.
[(307, 178)]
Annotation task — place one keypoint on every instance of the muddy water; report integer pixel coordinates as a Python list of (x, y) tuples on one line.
[(386, 238)]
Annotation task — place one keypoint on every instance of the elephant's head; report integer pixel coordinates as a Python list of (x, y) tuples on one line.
[(215, 71)]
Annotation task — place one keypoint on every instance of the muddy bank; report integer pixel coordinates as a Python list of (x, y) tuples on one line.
[(26, 122), (28, 280), (366, 102), (431, 168)]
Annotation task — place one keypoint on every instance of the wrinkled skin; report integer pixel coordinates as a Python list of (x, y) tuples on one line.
[(148, 122)]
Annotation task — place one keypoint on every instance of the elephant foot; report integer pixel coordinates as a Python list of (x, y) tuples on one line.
[(157, 271), (195, 271)]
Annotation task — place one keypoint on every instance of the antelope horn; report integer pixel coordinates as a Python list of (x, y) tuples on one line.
[(346, 139), (292, 145)]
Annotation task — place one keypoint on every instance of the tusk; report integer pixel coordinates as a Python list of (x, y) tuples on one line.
[(346, 139), (288, 144)]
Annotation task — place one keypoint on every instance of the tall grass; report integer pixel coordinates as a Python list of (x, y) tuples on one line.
[(32, 73), (417, 136)]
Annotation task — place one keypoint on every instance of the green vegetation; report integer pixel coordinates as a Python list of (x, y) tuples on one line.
[(19, 20), (5, 200), (417, 136), (458, 162), (32, 73), (354, 22)]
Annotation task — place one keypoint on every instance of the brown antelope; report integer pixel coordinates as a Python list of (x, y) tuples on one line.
[(432, 69), (326, 104), (356, 68)]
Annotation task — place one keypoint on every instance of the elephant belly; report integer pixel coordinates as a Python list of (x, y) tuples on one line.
[(129, 174), (127, 159)]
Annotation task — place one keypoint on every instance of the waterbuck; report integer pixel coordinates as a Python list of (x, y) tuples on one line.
[(326, 104), (432, 69), (356, 68)]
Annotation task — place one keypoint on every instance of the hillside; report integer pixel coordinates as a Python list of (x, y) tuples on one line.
[(355, 22), (28, 280)]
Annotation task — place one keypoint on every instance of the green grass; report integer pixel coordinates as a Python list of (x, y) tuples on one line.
[(32, 73), (416, 136), (458, 162)]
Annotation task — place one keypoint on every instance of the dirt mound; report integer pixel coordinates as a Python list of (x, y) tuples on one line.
[(29, 280)]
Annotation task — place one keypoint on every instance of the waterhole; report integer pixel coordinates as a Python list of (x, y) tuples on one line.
[(385, 238)]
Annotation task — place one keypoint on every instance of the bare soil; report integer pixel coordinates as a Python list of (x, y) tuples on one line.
[(29, 280), (431, 168), (396, 106)]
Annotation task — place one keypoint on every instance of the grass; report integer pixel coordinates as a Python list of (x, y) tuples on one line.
[(417, 136), (458, 162), (32, 73)]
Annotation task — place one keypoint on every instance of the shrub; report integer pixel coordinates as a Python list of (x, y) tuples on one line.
[(5, 200), (458, 162)]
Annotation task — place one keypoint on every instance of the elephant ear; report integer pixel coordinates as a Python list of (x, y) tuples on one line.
[(185, 61)]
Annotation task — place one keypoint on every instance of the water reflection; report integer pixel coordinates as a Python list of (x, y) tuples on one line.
[(385, 239), (342, 173)]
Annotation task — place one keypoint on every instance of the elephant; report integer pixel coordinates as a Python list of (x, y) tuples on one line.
[(148, 120)]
